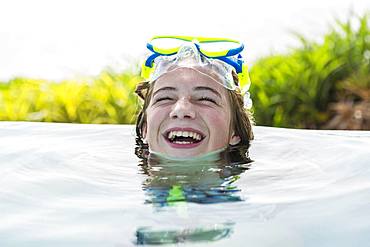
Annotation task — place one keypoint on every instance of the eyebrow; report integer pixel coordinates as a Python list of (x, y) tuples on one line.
[(208, 89), (200, 88), (164, 89)]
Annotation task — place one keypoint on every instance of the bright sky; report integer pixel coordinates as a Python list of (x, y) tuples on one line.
[(57, 39)]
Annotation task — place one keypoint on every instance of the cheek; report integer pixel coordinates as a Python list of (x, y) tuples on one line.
[(218, 122), (154, 118), (219, 125)]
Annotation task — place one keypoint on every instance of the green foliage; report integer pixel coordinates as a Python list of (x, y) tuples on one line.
[(106, 99), (318, 85), (296, 89)]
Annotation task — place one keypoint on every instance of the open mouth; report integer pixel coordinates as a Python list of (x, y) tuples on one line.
[(184, 137)]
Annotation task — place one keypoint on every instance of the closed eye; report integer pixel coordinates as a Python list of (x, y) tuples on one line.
[(204, 98), (162, 99)]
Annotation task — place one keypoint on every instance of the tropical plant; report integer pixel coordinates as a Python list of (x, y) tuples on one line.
[(297, 89)]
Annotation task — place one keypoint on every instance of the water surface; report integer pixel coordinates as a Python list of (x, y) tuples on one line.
[(82, 185)]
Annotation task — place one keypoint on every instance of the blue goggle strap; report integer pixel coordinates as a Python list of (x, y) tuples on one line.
[(149, 61), (238, 65)]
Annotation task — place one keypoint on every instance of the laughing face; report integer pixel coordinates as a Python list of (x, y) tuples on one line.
[(189, 114)]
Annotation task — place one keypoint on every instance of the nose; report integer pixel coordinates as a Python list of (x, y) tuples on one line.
[(183, 108)]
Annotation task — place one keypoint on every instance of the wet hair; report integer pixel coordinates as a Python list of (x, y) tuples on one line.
[(241, 118)]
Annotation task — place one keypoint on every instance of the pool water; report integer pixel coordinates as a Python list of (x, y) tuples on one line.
[(82, 185)]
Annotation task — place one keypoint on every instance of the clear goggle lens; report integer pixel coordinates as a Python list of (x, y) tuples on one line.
[(210, 48)]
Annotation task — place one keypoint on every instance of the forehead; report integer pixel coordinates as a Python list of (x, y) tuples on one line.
[(188, 78)]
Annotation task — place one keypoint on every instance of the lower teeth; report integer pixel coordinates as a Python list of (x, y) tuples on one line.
[(182, 142)]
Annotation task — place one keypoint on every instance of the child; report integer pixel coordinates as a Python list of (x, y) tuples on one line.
[(193, 100)]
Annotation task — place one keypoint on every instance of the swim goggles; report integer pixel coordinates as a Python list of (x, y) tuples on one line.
[(219, 56)]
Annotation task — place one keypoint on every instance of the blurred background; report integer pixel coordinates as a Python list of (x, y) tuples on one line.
[(78, 61)]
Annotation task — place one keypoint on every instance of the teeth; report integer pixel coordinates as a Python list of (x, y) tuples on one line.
[(182, 142), (173, 134), (191, 134)]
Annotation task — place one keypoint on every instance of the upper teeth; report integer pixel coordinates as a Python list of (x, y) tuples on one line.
[(193, 135)]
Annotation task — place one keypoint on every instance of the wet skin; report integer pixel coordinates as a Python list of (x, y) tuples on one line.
[(188, 100)]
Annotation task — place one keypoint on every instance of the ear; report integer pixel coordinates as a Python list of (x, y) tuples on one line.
[(234, 139)]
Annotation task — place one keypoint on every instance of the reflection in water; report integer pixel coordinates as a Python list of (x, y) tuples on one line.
[(204, 179), (149, 236)]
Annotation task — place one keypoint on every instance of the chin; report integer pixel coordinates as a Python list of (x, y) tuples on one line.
[(185, 153)]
